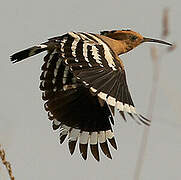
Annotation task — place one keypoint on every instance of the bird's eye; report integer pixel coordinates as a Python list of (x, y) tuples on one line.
[(133, 38)]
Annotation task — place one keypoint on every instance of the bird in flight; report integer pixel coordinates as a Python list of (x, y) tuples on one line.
[(83, 81)]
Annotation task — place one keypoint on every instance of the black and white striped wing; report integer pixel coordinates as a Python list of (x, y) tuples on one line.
[(94, 64), (74, 111)]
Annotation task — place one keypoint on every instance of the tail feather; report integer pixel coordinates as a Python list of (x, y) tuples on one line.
[(19, 56)]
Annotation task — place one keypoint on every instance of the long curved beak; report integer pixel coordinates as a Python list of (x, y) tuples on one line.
[(156, 41)]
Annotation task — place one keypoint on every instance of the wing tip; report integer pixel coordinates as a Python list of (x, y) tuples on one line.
[(83, 150), (72, 145), (95, 151), (105, 149)]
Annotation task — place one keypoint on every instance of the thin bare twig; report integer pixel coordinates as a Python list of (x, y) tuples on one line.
[(144, 141), (156, 59), (165, 23), (6, 163)]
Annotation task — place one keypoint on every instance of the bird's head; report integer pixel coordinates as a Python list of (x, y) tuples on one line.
[(130, 39)]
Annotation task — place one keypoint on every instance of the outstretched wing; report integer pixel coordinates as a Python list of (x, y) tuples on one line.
[(94, 64), (74, 111)]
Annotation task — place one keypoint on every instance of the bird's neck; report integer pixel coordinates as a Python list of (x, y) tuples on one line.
[(119, 47)]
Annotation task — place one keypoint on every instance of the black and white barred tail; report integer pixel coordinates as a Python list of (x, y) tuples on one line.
[(28, 53)]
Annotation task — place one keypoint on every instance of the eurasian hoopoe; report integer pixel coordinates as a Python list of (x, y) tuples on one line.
[(83, 80)]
